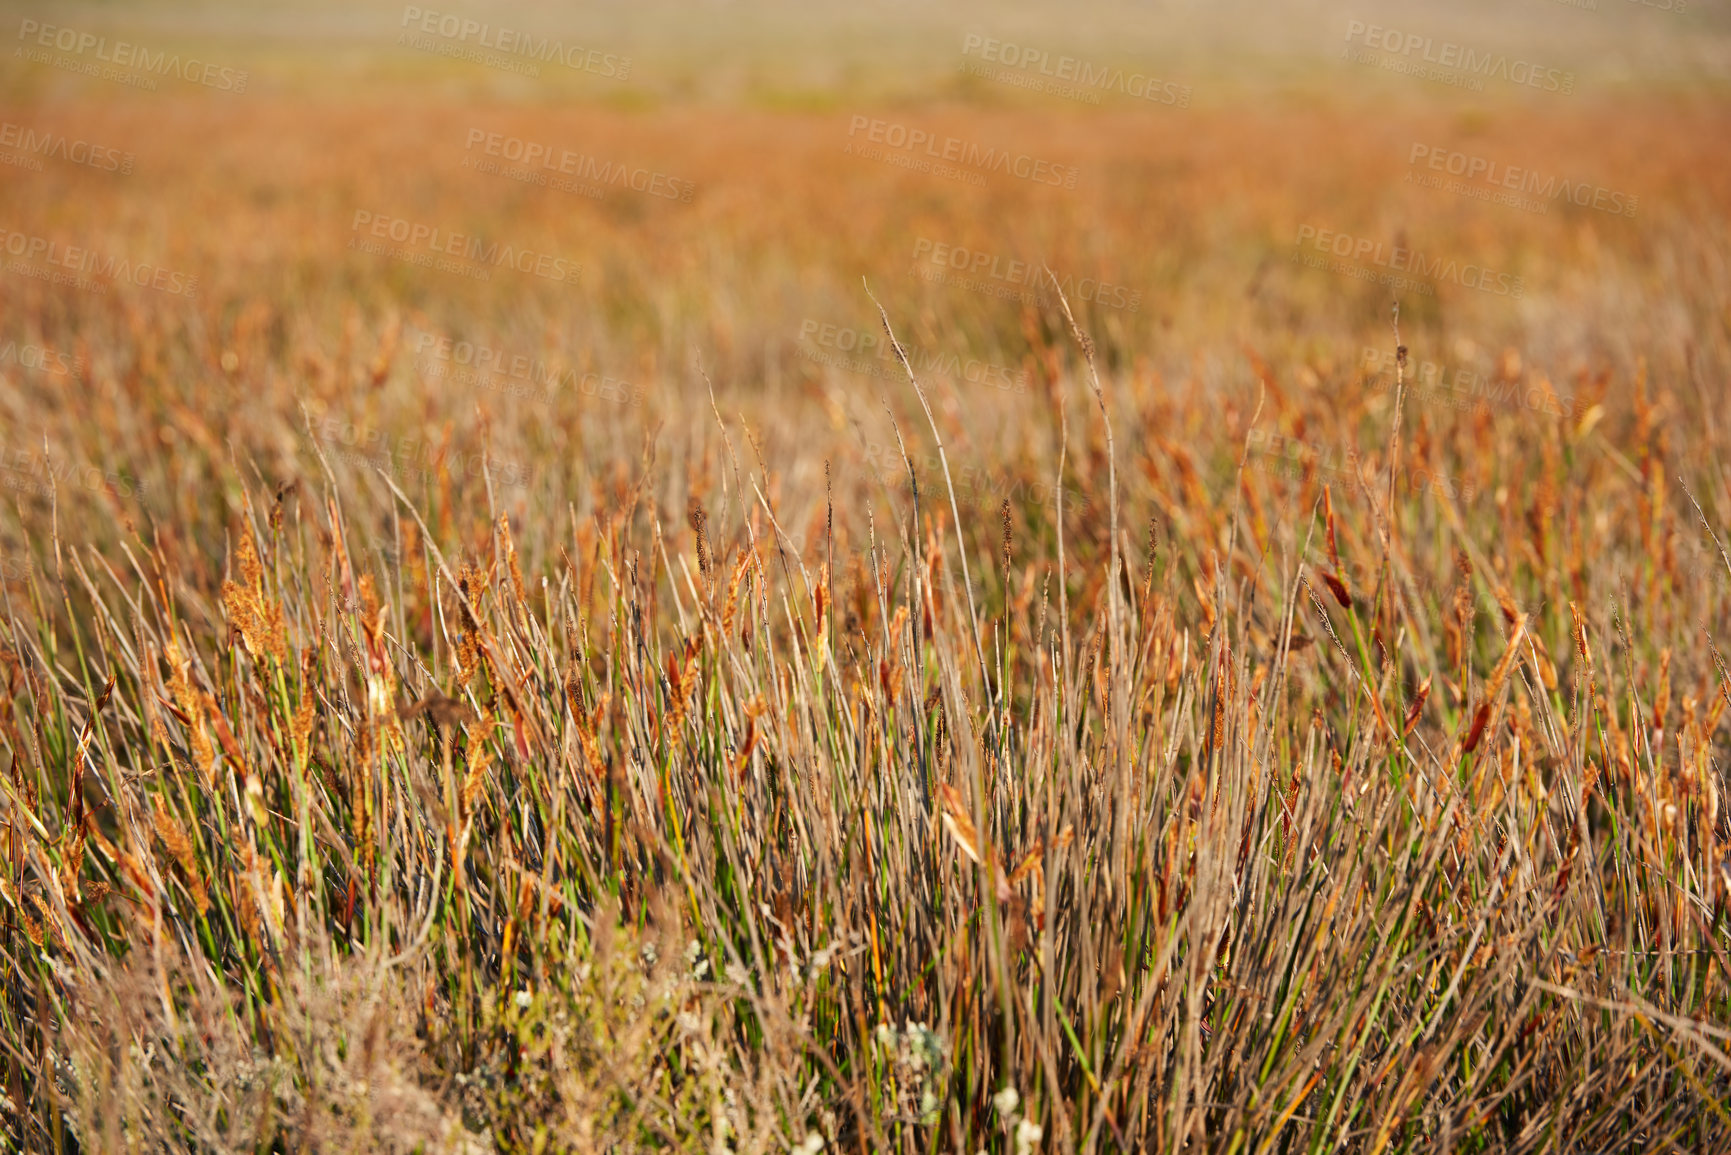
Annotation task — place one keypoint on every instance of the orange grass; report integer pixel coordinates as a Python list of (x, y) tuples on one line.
[(700, 771)]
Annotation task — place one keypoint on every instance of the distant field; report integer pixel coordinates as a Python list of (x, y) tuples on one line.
[(502, 649)]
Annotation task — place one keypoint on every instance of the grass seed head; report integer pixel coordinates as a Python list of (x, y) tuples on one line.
[(699, 519)]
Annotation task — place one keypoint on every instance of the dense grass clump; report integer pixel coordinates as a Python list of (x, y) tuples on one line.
[(1225, 729), (1388, 831)]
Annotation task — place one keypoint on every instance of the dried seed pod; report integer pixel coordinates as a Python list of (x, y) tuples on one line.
[(699, 519)]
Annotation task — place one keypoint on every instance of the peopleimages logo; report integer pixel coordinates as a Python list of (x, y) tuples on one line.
[(439, 242), (30, 471), (32, 143), (1085, 75), (124, 54), (876, 358), (1456, 387), (460, 31), (1530, 182), (562, 162), (976, 485), (418, 459), (1449, 54), (1295, 459), (1012, 279), (929, 147), (472, 363), (82, 261), (1404, 260), (43, 358)]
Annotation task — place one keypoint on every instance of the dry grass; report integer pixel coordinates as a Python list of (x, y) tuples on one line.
[(1249, 808)]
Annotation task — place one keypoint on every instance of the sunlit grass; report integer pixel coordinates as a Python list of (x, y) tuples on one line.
[(1255, 804)]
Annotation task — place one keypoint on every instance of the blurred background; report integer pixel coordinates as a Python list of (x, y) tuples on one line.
[(541, 234)]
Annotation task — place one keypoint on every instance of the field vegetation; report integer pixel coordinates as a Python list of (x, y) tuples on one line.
[(1284, 715)]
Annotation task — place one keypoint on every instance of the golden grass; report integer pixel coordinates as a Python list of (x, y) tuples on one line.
[(412, 765)]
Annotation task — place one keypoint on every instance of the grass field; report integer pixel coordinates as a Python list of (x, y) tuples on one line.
[(874, 610)]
